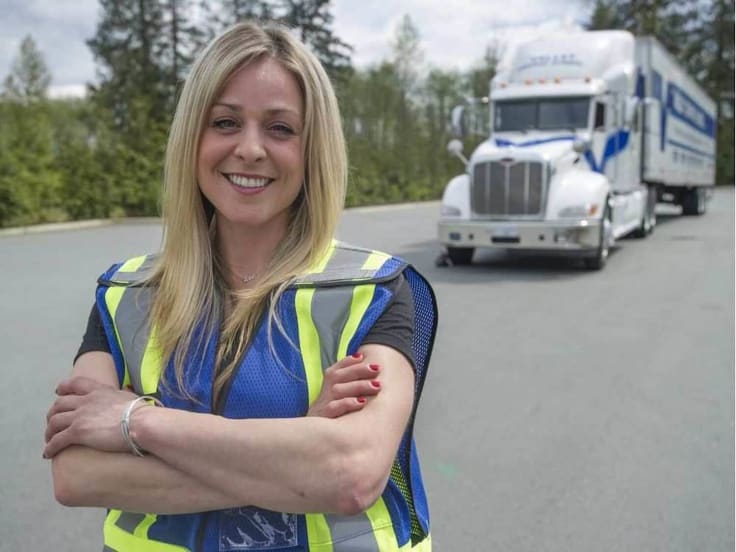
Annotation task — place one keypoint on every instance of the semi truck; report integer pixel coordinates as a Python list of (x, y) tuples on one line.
[(588, 131)]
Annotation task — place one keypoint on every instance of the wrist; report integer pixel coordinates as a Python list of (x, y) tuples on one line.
[(133, 418)]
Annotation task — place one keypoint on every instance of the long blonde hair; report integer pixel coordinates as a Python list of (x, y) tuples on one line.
[(187, 309)]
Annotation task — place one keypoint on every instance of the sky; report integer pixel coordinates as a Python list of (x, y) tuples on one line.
[(454, 33)]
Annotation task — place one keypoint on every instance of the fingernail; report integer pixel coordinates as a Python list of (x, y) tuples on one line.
[(356, 355), (361, 400), (376, 384), (373, 367)]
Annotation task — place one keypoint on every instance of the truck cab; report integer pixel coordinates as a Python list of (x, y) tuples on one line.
[(561, 171)]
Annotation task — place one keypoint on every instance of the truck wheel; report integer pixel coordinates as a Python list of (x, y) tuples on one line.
[(649, 218), (460, 255), (598, 260), (693, 201)]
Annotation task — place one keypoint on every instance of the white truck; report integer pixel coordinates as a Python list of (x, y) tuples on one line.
[(588, 131)]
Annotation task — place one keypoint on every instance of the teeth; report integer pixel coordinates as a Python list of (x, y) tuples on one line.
[(245, 182)]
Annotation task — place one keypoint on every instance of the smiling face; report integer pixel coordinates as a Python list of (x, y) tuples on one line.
[(250, 164)]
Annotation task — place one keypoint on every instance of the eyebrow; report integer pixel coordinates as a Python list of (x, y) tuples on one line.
[(272, 111)]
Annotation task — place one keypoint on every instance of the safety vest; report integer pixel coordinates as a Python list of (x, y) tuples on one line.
[(323, 316)]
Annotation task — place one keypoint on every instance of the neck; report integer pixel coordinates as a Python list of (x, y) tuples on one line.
[(246, 251)]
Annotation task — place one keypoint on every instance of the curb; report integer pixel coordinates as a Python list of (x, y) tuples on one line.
[(74, 225), (98, 223)]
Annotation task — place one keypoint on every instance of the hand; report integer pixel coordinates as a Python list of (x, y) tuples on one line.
[(86, 413), (345, 388)]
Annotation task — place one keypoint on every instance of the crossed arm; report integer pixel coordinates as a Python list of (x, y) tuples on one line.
[(336, 460)]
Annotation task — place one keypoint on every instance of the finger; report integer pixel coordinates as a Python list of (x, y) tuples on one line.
[(57, 443), (357, 372), (359, 388), (340, 407), (78, 386), (344, 362), (58, 422), (64, 404)]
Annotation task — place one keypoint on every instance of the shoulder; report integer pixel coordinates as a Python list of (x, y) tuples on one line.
[(347, 264), (130, 272)]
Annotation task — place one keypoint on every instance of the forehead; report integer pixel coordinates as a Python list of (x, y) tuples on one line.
[(263, 83)]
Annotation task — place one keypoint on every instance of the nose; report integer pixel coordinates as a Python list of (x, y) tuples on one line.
[(250, 146)]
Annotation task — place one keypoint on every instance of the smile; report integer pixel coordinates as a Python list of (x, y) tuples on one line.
[(249, 182)]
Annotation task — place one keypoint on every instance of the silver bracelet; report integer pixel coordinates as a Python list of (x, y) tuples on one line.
[(125, 422)]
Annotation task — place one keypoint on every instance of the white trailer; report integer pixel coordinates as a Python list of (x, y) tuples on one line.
[(588, 131)]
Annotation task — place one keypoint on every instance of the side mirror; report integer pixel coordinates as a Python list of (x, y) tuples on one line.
[(458, 121), (455, 147), (581, 145)]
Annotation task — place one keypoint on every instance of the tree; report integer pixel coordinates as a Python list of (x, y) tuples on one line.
[(312, 19), (407, 54), (30, 78)]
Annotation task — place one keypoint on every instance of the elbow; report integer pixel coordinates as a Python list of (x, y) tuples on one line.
[(360, 485)]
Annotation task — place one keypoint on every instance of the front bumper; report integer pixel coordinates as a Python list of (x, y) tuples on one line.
[(572, 236)]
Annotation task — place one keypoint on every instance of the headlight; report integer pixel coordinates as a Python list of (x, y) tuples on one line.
[(579, 211), (449, 211)]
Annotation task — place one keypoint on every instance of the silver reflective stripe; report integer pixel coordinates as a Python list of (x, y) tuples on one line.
[(128, 521), (330, 313), (346, 263), (351, 534), (143, 271), (132, 323)]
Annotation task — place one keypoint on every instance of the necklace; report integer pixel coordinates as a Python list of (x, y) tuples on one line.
[(244, 278), (247, 277)]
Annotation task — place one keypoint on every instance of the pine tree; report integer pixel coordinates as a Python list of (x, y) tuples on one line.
[(29, 79), (127, 49), (312, 20)]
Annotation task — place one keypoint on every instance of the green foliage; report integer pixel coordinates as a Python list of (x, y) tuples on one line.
[(30, 78)]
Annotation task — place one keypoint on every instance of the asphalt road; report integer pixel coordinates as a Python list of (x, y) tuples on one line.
[(565, 410)]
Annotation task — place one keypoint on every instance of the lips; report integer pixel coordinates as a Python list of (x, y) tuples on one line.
[(248, 182)]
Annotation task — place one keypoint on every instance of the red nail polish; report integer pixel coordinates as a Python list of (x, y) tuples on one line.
[(373, 367), (376, 384), (356, 355), (361, 400)]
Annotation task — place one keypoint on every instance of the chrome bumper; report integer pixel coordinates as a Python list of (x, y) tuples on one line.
[(572, 236)]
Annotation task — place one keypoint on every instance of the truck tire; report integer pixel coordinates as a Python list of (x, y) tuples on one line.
[(649, 218), (599, 258), (693, 201), (460, 255)]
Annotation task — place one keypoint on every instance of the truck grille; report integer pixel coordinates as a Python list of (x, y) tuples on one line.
[(501, 189)]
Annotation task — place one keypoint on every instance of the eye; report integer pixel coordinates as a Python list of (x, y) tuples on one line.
[(281, 129), (225, 124)]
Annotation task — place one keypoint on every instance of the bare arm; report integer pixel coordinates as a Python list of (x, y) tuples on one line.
[(88, 412), (87, 477), (295, 465)]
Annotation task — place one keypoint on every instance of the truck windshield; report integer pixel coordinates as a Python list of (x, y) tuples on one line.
[(541, 114)]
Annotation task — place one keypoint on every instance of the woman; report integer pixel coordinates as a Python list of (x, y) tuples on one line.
[(252, 446)]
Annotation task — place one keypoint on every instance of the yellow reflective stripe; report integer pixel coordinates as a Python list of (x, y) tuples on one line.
[(122, 541), (383, 528), (309, 342), (362, 297), (318, 533), (374, 261), (151, 365), (308, 335), (113, 295)]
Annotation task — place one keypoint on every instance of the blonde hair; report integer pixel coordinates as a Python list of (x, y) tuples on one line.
[(188, 308)]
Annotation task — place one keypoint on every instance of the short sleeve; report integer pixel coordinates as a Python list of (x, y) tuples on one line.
[(94, 338), (395, 327)]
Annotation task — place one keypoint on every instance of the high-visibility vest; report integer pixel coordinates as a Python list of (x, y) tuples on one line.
[(323, 316)]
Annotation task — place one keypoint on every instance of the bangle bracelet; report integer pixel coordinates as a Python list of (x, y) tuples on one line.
[(125, 422)]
